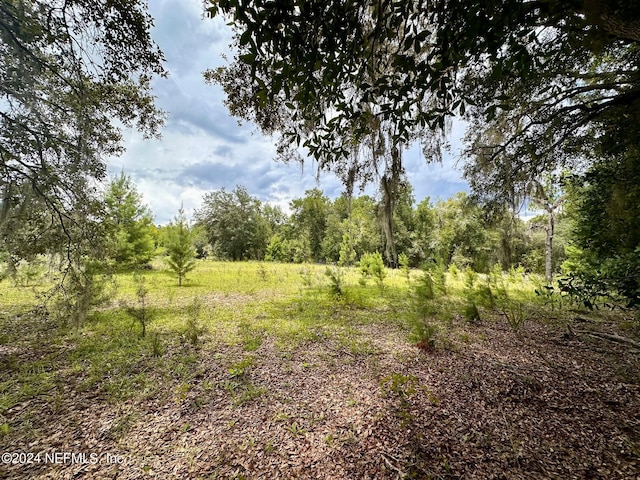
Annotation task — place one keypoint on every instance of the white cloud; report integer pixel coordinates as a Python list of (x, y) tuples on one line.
[(203, 148)]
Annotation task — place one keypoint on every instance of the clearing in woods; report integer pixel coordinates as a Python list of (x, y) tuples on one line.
[(259, 371)]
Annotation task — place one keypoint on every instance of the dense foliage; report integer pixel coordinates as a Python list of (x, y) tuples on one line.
[(70, 73), (346, 230), (409, 65), (605, 202)]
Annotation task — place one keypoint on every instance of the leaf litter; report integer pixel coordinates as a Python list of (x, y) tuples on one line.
[(542, 404)]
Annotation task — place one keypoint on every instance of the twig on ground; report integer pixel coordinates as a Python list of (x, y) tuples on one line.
[(611, 337)]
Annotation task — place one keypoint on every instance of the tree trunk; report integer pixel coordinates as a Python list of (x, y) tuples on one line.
[(387, 221), (548, 246), (389, 183), (543, 197)]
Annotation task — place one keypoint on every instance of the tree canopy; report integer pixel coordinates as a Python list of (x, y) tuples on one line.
[(342, 77), (234, 223), (71, 72), (544, 84)]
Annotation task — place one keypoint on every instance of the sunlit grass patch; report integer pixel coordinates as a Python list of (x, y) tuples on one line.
[(251, 306)]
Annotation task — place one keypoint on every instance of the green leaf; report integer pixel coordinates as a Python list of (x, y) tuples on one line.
[(245, 37), (248, 58)]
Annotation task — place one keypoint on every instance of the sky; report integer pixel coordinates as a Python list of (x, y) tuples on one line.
[(203, 148)]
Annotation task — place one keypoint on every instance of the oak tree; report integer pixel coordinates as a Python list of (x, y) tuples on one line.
[(71, 72)]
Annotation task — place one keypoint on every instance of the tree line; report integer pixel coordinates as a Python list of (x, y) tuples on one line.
[(457, 231), (585, 232), (579, 233), (234, 225)]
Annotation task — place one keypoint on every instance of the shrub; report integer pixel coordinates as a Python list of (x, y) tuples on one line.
[(307, 276), (141, 312), (471, 313), (515, 314), (403, 261), (347, 252), (336, 279), (193, 327), (180, 246), (425, 334)]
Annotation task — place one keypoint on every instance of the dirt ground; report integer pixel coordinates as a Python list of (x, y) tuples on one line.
[(548, 403)]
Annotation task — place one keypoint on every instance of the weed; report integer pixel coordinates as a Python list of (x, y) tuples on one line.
[(454, 271), (431, 283), (193, 327), (496, 280), (239, 386), (470, 278), (349, 438), (239, 369), (208, 385), (230, 386), (269, 447), (472, 314), (281, 417), (141, 312), (513, 310), (250, 339), (464, 337), (547, 294), (403, 261), (402, 387), (516, 314), (307, 276), (425, 334), (361, 347), (250, 443), (372, 266), (247, 393), (474, 294), (181, 392), (157, 347), (295, 429), (263, 274), (484, 295)]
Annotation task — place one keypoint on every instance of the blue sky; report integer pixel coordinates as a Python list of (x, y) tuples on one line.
[(204, 149)]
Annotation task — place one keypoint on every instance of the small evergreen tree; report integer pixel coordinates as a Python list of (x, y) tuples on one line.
[(180, 246), (128, 223), (347, 252), (372, 266)]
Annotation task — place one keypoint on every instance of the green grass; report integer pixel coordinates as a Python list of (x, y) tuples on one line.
[(239, 304)]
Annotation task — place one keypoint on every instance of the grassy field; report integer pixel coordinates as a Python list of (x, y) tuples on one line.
[(261, 370)]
